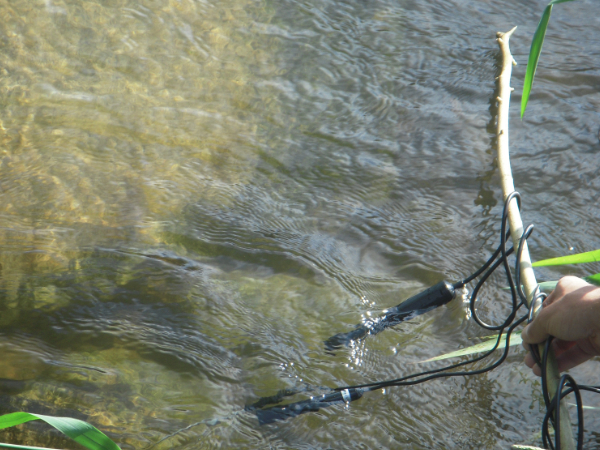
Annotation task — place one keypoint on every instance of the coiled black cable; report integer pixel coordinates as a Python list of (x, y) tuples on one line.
[(485, 272), (566, 386)]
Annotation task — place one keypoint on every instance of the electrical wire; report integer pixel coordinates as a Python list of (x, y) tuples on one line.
[(485, 272), (566, 385)]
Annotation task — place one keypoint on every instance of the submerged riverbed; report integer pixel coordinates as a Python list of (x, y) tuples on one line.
[(194, 195)]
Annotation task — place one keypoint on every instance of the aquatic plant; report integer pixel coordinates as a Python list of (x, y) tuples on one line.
[(579, 258), (534, 53), (78, 430)]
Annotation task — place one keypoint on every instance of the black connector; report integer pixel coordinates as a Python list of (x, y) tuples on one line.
[(429, 299)]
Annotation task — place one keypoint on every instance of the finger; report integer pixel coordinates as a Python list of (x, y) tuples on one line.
[(571, 358), (529, 361), (552, 296), (561, 346), (534, 333)]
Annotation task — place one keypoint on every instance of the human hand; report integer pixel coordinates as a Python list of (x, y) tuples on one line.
[(571, 314)]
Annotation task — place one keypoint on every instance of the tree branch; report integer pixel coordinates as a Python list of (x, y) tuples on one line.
[(515, 222)]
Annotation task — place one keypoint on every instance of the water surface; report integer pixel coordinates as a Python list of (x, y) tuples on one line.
[(194, 195)]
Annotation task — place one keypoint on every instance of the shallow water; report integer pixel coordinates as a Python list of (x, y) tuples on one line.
[(196, 194)]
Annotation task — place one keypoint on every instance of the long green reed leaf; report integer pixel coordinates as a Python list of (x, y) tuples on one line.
[(593, 279), (78, 430), (579, 258), (515, 339), (549, 286), (24, 447), (534, 56), (534, 53)]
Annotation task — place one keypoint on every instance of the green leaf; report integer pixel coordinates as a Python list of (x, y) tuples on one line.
[(548, 286), (579, 258), (534, 53), (78, 430), (534, 56), (486, 346), (593, 279), (556, 2), (23, 447), (545, 286)]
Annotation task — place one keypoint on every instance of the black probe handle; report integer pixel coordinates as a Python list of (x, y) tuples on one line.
[(425, 301), (277, 413), (431, 298)]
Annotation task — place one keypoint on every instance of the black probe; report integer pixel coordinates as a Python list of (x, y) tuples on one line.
[(275, 413), (425, 301)]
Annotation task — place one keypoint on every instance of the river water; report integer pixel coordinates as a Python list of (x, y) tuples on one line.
[(195, 194)]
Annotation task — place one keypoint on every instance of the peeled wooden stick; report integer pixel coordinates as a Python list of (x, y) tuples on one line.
[(516, 225)]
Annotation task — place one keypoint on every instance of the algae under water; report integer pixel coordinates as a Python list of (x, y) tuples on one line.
[(194, 195)]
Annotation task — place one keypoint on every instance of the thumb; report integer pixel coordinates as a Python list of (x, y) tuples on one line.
[(534, 333)]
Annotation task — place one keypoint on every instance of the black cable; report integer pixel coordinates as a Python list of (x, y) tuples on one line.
[(543, 370), (554, 407), (552, 415), (504, 233), (475, 293), (443, 372), (484, 272), (487, 269), (566, 386), (526, 234), (479, 271)]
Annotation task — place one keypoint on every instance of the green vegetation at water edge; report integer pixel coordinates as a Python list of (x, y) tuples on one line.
[(78, 430)]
